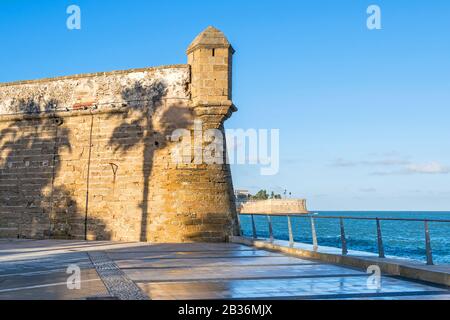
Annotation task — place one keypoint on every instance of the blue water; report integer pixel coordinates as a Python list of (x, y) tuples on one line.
[(400, 238)]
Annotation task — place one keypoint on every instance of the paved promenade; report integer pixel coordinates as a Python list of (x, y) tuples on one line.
[(37, 270)]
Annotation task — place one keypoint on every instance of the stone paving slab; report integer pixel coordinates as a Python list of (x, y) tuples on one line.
[(225, 273), (18, 246), (202, 255), (51, 286), (36, 270), (407, 268), (212, 262), (300, 288), (44, 264), (183, 247)]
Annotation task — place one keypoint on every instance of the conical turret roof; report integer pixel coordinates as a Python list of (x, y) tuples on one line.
[(210, 38)]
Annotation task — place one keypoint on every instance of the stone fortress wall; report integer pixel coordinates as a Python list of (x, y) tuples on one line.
[(274, 206), (88, 156)]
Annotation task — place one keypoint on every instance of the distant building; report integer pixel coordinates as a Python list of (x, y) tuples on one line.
[(242, 195)]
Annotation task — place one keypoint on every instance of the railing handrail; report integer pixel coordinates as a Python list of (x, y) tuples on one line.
[(344, 217), (312, 217)]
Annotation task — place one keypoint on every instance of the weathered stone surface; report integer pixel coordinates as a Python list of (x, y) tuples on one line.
[(88, 155), (98, 90)]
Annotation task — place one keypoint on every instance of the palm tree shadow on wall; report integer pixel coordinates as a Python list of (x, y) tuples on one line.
[(145, 104), (32, 145)]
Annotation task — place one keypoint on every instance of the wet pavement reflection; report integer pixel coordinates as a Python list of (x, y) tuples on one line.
[(37, 270)]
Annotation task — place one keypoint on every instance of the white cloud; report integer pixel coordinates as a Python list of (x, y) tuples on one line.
[(388, 161), (417, 168), (402, 165), (344, 163), (428, 168)]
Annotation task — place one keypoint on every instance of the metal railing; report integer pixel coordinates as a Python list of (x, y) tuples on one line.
[(380, 246)]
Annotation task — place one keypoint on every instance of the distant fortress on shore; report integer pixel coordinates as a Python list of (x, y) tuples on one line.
[(245, 205), (274, 206)]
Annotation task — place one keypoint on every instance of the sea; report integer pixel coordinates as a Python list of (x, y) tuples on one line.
[(404, 239)]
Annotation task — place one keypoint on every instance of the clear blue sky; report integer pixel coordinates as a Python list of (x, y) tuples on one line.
[(364, 115)]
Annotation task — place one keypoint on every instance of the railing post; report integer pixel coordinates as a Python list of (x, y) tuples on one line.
[(269, 220), (239, 225), (380, 240), (291, 235), (253, 227), (343, 240), (428, 245), (314, 235)]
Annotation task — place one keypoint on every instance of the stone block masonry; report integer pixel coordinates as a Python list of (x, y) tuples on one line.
[(87, 156)]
